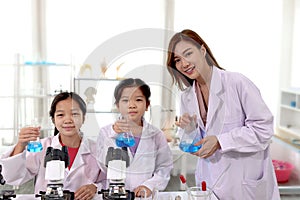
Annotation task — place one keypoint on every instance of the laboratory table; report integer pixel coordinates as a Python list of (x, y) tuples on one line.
[(162, 196)]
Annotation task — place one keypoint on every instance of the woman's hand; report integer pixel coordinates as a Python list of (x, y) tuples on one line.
[(142, 191), (86, 192), (26, 134), (210, 145), (185, 120)]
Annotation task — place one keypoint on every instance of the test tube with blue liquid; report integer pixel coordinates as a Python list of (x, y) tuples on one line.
[(35, 146), (125, 139), (191, 135)]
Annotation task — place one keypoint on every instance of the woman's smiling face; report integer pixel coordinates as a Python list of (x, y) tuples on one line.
[(189, 60)]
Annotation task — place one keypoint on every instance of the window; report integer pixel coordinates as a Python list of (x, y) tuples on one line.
[(15, 38), (78, 27), (96, 32), (240, 40), (295, 69)]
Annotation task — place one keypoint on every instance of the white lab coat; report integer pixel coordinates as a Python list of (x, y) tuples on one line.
[(152, 163), (243, 124), (22, 167)]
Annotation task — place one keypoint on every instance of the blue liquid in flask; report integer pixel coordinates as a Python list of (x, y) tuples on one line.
[(125, 141), (34, 146), (189, 147)]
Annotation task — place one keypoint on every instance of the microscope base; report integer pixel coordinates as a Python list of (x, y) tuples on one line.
[(67, 196), (7, 194), (128, 196)]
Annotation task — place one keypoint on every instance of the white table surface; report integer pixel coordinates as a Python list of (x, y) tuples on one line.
[(162, 196)]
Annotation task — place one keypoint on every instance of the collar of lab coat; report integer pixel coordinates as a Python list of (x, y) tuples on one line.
[(216, 96), (84, 145), (84, 148)]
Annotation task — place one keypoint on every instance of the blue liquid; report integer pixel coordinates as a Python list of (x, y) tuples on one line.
[(189, 148), (122, 141), (34, 146)]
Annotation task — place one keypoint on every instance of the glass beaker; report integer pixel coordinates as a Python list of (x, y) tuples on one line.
[(196, 193), (35, 146), (191, 135), (125, 139)]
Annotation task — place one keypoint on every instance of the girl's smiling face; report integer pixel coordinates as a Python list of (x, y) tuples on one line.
[(132, 104), (68, 117)]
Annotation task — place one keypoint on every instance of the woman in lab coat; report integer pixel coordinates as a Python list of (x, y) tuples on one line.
[(82, 176), (237, 124), (150, 159)]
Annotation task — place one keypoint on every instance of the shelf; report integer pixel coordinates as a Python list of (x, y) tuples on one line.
[(6, 128), (291, 90), (289, 113), (6, 97), (97, 93), (294, 131), (30, 96), (287, 139), (290, 108), (96, 79)]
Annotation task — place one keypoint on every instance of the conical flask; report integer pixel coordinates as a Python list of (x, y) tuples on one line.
[(191, 135), (125, 139)]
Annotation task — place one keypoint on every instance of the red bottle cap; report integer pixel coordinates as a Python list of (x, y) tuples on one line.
[(203, 185), (183, 180)]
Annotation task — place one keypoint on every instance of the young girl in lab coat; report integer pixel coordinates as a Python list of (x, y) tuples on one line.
[(150, 157), (82, 176), (237, 124)]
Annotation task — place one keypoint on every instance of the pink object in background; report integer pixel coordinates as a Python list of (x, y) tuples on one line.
[(283, 170)]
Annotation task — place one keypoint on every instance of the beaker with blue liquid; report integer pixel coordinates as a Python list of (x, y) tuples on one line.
[(35, 146), (125, 139), (191, 135)]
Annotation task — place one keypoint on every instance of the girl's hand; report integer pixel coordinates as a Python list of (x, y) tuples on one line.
[(121, 126), (210, 145), (125, 125), (26, 134), (86, 192), (142, 191)]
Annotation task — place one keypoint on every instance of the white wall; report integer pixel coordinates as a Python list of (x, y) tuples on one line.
[(244, 36)]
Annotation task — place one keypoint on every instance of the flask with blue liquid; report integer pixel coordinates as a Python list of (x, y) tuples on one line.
[(191, 135), (125, 139), (35, 146)]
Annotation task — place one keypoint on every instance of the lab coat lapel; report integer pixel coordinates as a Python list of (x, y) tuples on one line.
[(143, 144), (192, 106), (83, 149), (55, 142), (216, 108)]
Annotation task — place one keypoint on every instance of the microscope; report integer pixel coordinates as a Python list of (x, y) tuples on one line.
[(55, 162), (117, 160), (5, 194)]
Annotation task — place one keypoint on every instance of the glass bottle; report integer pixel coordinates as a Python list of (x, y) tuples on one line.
[(191, 135), (125, 139), (35, 146)]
